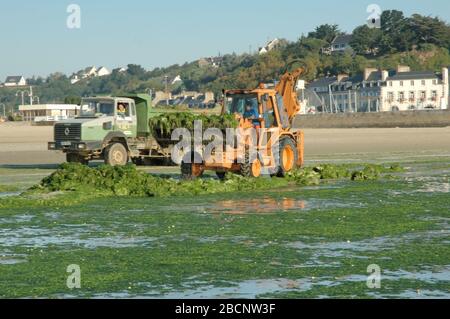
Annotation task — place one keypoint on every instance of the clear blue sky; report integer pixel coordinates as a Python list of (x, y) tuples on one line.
[(36, 41)]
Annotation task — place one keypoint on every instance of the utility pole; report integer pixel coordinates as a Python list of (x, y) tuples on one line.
[(166, 80), (30, 94), (22, 94)]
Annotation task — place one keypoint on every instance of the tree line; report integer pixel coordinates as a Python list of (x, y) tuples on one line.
[(420, 41)]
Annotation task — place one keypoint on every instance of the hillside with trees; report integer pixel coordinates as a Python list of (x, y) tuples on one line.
[(421, 42)]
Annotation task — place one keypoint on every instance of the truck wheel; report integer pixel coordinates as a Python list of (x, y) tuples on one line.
[(190, 168), (250, 167), (288, 156), (76, 158), (116, 155)]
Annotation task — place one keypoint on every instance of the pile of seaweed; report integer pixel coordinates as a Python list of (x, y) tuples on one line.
[(163, 125), (128, 181), (313, 175)]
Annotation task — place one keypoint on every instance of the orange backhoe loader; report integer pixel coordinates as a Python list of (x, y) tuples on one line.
[(268, 143)]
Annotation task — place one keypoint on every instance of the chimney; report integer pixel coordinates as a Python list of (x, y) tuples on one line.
[(403, 68), (368, 72), (445, 76), (341, 76), (384, 75)]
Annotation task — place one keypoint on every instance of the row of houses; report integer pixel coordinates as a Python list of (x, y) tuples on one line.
[(380, 91), (191, 99), (91, 72)]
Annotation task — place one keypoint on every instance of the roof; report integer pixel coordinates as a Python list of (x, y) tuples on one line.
[(342, 39), (13, 79), (39, 107), (322, 82), (413, 75)]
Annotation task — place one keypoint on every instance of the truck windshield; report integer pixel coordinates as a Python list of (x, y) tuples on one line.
[(237, 103), (96, 109)]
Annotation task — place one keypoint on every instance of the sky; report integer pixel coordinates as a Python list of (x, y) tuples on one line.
[(35, 39)]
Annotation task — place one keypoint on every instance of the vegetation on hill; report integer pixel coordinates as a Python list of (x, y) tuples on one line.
[(419, 41)]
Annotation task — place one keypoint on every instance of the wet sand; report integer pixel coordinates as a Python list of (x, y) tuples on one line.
[(23, 144)]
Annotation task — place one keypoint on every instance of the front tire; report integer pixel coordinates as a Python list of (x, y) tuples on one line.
[(116, 155), (250, 167)]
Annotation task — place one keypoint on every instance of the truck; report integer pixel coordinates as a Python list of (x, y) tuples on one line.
[(279, 145), (113, 129)]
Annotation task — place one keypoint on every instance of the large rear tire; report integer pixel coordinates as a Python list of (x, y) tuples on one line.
[(116, 155), (288, 156), (76, 158)]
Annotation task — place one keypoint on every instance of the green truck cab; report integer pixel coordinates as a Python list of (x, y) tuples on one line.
[(113, 129)]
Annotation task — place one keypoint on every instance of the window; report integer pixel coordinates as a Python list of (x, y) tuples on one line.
[(412, 96), (412, 83), (96, 108), (401, 96), (423, 95), (390, 96), (434, 82), (123, 109), (390, 83), (424, 82), (434, 95), (401, 83), (237, 103)]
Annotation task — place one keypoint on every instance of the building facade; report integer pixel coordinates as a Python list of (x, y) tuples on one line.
[(48, 112), (383, 91)]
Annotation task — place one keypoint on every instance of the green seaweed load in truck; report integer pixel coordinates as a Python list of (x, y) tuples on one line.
[(113, 129)]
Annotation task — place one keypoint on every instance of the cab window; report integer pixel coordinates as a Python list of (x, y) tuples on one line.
[(123, 109)]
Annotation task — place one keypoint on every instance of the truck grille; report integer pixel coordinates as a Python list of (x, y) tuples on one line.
[(67, 132)]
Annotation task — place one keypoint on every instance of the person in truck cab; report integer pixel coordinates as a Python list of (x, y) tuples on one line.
[(251, 113), (121, 110)]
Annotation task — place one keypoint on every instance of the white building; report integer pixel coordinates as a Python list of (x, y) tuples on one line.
[(340, 44), (48, 112), (89, 72), (12, 81), (408, 90), (383, 91), (75, 79), (176, 80), (102, 71), (270, 46)]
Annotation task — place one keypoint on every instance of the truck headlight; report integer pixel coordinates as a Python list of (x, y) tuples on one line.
[(51, 146)]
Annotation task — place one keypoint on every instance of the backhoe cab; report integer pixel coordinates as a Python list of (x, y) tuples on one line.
[(266, 143)]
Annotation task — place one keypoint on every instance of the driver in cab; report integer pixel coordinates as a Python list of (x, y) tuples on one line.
[(121, 110), (251, 113)]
